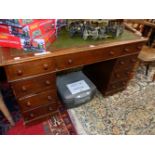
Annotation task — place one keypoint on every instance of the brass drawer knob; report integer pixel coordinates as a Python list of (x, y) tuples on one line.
[(49, 98), (47, 82), (139, 47), (50, 108), (24, 88), (45, 66), (19, 72), (123, 83), (122, 62), (32, 115), (28, 104), (128, 73), (111, 53), (118, 75), (126, 50), (113, 86), (70, 61), (133, 60)]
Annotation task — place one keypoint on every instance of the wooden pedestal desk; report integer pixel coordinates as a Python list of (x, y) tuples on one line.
[(108, 63)]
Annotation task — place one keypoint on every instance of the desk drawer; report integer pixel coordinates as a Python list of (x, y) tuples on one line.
[(26, 69), (118, 76), (113, 91), (38, 112), (130, 49), (87, 57), (117, 85), (125, 62), (47, 97), (93, 56), (34, 85)]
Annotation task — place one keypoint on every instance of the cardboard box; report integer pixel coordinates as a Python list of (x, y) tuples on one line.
[(7, 40), (4, 29), (18, 22), (39, 28), (32, 30), (35, 36), (39, 44), (12, 30), (61, 23)]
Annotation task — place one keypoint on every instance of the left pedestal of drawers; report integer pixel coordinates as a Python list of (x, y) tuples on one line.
[(34, 86)]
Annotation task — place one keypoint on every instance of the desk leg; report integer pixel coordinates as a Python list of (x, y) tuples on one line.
[(154, 77), (147, 69)]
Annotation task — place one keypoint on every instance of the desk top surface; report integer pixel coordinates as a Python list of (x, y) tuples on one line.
[(65, 45)]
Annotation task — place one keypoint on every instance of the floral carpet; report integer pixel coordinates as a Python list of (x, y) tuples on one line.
[(58, 124), (131, 112)]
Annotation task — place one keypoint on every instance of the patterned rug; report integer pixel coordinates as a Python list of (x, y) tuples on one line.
[(129, 112), (59, 124)]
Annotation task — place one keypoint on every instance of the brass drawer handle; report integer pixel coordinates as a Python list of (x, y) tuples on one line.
[(28, 104), (24, 88), (126, 50), (118, 75), (133, 60), (70, 61), (111, 53), (50, 108), (123, 83), (19, 72), (139, 47), (31, 115), (49, 98), (128, 73), (113, 86), (45, 66), (47, 82), (122, 62)]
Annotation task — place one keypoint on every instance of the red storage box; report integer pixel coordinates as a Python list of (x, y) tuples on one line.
[(18, 22), (4, 29)]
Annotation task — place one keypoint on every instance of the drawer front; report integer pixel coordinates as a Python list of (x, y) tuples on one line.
[(38, 112), (87, 57), (131, 48), (125, 62), (38, 119), (113, 91), (118, 76), (118, 85), (47, 97), (26, 69), (92, 56), (34, 85)]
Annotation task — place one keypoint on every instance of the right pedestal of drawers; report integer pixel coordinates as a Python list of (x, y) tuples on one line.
[(112, 76)]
